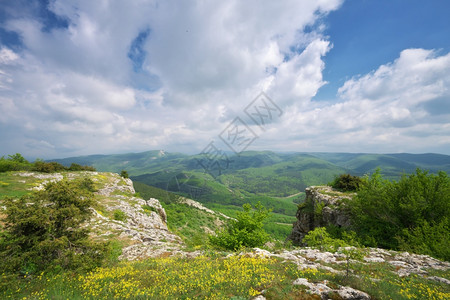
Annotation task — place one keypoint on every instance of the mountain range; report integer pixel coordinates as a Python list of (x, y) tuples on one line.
[(283, 164), (277, 180)]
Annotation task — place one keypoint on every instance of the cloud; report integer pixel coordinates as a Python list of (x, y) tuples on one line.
[(114, 76), (400, 106), (229, 48), (417, 75)]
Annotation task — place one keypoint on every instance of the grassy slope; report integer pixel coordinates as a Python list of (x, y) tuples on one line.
[(15, 186), (189, 222)]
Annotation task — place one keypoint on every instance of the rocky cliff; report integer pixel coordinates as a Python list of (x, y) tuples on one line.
[(323, 206), (120, 215)]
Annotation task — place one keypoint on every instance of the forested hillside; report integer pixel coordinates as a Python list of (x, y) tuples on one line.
[(277, 180)]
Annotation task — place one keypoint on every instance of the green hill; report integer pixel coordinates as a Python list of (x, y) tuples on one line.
[(277, 180), (134, 163), (392, 165)]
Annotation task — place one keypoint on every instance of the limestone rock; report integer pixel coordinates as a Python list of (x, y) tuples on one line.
[(324, 291), (347, 292), (116, 183), (319, 289), (47, 178), (323, 206), (308, 258), (439, 279), (409, 263), (199, 206)]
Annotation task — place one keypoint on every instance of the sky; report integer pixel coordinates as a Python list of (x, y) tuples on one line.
[(81, 77)]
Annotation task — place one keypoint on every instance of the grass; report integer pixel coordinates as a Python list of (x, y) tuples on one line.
[(148, 209), (13, 185), (278, 226), (216, 277), (190, 223)]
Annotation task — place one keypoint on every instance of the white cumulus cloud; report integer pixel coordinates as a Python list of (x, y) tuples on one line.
[(116, 76)]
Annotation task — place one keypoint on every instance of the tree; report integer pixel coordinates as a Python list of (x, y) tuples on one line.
[(411, 214), (17, 158), (124, 174), (244, 231), (44, 230), (14, 162), (347, 182)]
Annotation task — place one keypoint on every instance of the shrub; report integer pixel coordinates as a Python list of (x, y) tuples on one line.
[(427, 238), (246, 231), (77, 167), (15, 162), (42, 231), (411, 214), (124, 174), (47, 167), (346, 182), (148, 209), (320, 238), (119, 215)]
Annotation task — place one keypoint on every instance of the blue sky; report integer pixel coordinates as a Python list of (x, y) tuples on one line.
[(367, 34), (82, 77)]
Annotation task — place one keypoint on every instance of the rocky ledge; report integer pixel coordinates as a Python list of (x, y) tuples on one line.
[(139, 225), (404, 264), (323, 206)]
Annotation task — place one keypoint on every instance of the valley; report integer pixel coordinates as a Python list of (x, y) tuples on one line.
[(277, 180)]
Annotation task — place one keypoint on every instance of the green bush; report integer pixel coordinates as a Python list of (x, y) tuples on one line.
[(148, 209), (119, 215), (124, 174), (346, 183), (15, 162), (42, 231), (246, 231), (77, 167), (411, 214), (320, 238), (47, 167), (428, 238)]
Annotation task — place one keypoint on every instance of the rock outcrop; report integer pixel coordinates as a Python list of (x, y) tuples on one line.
[(139, 225), (404, 264), (323, 206), (321, 289)]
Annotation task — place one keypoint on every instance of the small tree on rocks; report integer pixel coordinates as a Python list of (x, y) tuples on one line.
[(42, 231)]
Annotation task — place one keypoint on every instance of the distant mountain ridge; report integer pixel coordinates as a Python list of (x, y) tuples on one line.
[(392, 165)]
